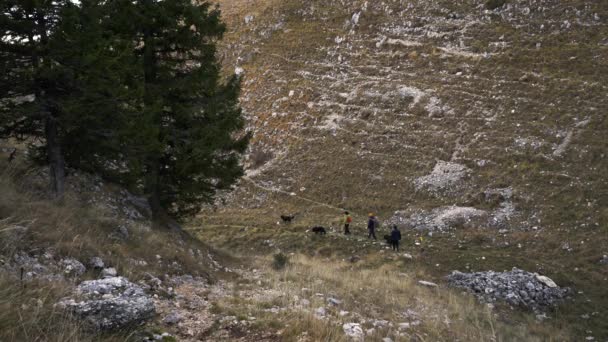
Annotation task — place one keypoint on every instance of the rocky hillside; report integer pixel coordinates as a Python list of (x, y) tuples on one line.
[(482, 122), (417, 104)]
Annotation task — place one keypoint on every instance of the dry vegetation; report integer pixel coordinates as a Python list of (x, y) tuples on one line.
[(31, 223), (381, 286)]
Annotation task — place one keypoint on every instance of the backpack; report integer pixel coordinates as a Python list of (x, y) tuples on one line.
[(349, 219)]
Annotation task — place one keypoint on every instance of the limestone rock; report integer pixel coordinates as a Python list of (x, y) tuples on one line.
[(516, 287), (353, 331), (109, 272), (109, 304), (96, 263), (72, 267)]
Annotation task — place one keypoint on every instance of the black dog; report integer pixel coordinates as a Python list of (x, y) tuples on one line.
[(388, 239), (319, 230), (287, 219)]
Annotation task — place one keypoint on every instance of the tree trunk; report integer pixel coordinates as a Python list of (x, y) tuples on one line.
[(55, 157), (160, 217)]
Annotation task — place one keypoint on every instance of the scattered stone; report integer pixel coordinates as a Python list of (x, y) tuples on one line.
[(173, 318), (404, 326), (353, 330), (427, 283), (96, 263), (441, 219), (334, 301), (516, 287), (604, 260), (353, 259), (72, 267), (380, 323), (446, 178), (320, 312), (109, 272), (408, 256), (387, 339), (109, 304)]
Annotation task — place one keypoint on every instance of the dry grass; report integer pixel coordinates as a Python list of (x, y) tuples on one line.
[(371, 293), (27, 313), (31, 223)]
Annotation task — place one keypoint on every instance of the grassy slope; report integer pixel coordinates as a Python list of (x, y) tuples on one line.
[(382, 285), (523, 91), (30, 223)]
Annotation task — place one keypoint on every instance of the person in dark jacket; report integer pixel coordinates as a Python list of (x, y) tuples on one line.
[(371, 226), (395, 237)]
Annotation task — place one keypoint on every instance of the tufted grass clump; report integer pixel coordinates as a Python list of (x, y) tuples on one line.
[(279, 261)]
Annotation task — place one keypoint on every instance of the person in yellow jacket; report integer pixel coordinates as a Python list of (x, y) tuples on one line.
[(347, 220)]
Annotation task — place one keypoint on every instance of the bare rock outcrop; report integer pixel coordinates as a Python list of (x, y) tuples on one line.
[(110, 304), (516, 287)]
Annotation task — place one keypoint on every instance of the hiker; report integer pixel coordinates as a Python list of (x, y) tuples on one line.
[(371, 226), (347, 220), (395, 237)]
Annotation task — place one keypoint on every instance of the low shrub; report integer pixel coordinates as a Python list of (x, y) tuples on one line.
[(494, 4), (279, 261)]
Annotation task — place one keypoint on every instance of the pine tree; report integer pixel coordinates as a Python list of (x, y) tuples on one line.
[(191, 116), (65, 80), (28, 81)]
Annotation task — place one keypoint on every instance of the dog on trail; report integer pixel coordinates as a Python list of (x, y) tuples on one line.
[(388, 238), (319, 230), (287, 218)]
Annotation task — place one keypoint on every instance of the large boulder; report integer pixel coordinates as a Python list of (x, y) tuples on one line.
[(110, 304)]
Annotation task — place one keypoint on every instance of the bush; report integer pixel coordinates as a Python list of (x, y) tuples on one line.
[(279, 261), (494, 4)]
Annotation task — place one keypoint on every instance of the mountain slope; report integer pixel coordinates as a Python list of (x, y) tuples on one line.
[(418, 106)]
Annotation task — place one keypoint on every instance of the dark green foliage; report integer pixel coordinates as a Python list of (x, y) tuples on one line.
[(128, 89), (279, 261), (190, 117), (60, 57), (32, 84), (494, 4)]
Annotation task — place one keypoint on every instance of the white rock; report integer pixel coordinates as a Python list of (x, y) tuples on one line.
[(404, 326), (109, 272), (353, 330), (546, 280), (334, 301), (427, 283)]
